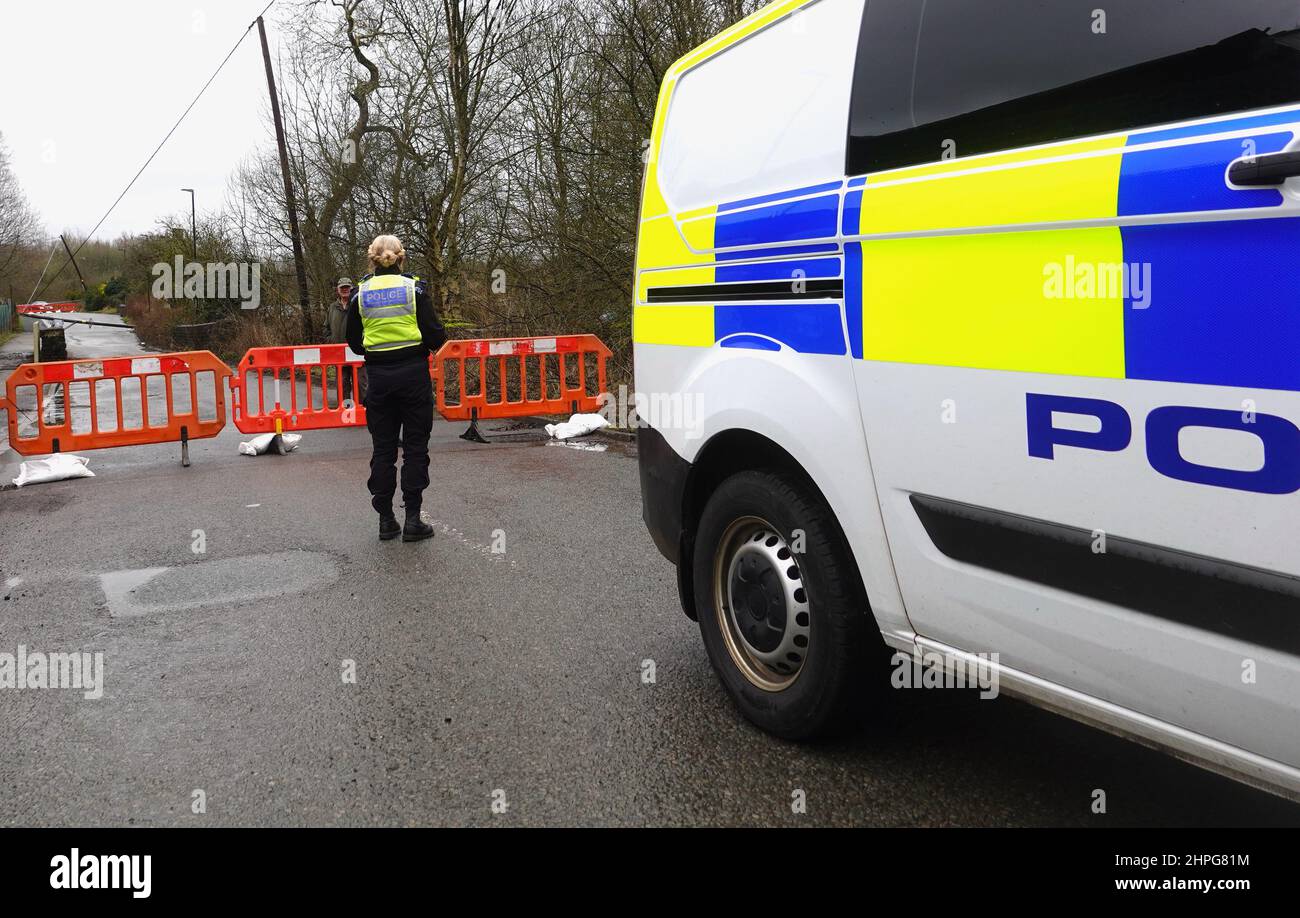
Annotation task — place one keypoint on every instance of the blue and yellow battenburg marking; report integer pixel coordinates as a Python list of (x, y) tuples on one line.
[(1223, 306), (679, 249), (775, 228)]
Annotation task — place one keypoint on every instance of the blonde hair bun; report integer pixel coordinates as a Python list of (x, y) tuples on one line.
[(386, 251)]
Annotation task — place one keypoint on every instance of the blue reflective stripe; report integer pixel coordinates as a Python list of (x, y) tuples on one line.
[(810, 218), (779, 270), (810, 328), (778, 252), (853, 296), (1223, 303), (851, 225), (1191, 177), (750, 343)]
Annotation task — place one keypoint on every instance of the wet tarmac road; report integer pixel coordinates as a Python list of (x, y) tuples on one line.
[(260, 646)]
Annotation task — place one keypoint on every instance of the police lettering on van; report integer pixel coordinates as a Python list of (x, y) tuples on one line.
[(1279, 472)]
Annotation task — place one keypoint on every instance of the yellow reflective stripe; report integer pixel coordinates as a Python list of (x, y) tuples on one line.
[(985, 300), (699, 232), (688, 324), (679, 277), (393, 345), (1021, 187), (660, 245)]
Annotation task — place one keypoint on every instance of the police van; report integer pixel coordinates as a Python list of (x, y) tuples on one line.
[(991, 312)]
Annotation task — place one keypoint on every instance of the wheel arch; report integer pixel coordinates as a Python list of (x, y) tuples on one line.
[(723, 455)]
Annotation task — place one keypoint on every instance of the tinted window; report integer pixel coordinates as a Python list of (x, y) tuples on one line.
[(974, 76)]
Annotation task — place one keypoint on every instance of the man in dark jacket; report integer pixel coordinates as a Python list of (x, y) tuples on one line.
[(336, 324)]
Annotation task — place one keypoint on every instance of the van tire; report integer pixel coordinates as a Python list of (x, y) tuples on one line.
[(829, 683)]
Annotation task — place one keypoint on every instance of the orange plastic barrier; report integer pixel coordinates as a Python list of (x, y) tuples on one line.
[(74, 405), (42, 308), (515, 377), (129, 401), (279, 389)]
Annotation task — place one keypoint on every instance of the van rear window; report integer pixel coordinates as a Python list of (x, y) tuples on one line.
[(765, 115), (941, 79)]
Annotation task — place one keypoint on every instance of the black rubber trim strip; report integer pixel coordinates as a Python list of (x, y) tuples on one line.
[(1235, 600), (811, 289)]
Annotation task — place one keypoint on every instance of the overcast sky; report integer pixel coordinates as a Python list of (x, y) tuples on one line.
[(91, 86)]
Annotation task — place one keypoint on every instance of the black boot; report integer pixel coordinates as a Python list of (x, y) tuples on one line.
[(416, 529), (388, 528)]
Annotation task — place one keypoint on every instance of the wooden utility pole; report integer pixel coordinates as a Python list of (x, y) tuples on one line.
[(309, 333), (84, 291)]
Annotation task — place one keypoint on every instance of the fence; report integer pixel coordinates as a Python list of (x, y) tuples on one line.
[(260, 404), (516, 377), (177, 397), (120, 401), (43, 308)]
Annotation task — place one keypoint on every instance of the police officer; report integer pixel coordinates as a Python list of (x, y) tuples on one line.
[(392, 323)]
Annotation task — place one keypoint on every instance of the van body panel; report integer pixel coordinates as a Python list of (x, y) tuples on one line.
[(1016, 339), (1184, 676)]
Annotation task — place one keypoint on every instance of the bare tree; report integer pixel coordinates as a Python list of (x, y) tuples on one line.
[(20, 227), (489, 135)]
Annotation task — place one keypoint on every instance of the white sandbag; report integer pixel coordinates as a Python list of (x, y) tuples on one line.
[(577, 426), (262, 443), (53, 468)]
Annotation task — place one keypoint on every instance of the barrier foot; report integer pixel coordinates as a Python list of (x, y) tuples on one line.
[(472, 432), (185, 447), (277, 442)]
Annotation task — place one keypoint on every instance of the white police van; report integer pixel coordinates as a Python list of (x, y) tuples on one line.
[(992, 314)]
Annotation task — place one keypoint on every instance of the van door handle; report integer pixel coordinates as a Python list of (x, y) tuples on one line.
[(1267, 169)]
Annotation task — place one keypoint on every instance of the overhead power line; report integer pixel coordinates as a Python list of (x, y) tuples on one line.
[(156, 150), (32, 298)]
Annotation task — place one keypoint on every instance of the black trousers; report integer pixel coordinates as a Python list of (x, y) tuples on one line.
[(399, 409)]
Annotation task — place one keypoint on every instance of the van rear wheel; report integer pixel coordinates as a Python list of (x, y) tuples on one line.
[(782, 615)]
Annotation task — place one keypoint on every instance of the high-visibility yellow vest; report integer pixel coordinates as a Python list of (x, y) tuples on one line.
[(387, 305)]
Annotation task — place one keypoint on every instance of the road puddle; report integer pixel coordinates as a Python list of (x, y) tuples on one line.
[(155, 590)]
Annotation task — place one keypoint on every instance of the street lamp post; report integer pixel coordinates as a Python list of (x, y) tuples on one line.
[(194, 239)]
